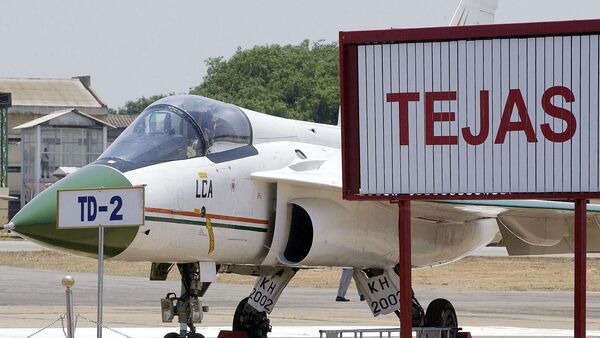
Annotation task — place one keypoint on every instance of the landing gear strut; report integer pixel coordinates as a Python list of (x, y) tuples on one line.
[(251, 313), (379, 287), (188, 308), (418, 314)]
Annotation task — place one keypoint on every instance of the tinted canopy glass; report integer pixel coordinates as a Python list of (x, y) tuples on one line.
[(223, 126), (180, 127), (161, 133)]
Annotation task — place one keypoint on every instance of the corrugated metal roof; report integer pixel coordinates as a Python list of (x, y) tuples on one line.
[(50, 93), (120, 121), (56, 114)]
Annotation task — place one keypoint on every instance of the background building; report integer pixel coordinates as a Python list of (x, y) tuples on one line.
[(119, 122), (35, 98), (57, 144)]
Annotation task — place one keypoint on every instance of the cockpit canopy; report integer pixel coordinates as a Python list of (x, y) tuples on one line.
[(180, 127)]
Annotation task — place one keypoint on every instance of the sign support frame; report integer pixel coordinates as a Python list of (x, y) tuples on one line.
[(351, 190)]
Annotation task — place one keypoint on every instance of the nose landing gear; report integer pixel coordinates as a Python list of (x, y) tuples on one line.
[(188, 308)]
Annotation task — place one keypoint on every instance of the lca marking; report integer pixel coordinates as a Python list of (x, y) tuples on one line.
[(204, 188)]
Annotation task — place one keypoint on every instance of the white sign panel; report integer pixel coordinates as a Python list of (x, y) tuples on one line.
[(101, 207), (383, 298), (498, 115), (380, 292)]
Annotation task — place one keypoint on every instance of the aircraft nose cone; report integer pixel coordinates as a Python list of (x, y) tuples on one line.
[(37, 220)]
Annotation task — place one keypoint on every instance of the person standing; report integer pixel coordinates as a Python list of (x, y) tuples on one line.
[(45, 162), (344, 283)]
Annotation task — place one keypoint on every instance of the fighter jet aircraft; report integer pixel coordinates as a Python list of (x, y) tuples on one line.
[(231, 190)]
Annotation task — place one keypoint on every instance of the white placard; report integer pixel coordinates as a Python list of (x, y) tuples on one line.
[(380, 292), (100, 207), (267, 290), (489, 116)]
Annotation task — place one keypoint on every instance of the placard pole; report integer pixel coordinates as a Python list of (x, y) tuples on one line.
[(580, 267), (405, 265), (100, 279)]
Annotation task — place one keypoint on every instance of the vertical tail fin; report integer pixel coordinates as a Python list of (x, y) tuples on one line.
[(474, 12)]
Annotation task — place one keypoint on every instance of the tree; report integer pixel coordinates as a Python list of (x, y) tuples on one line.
[(137, 106), (294, 81)]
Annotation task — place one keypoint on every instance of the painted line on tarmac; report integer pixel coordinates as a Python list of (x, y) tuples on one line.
[(287, 332)]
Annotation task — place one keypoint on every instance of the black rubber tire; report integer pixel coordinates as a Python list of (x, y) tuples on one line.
[(252, 332), (172, 335), (440, 313), (195, 335), (237, 323)]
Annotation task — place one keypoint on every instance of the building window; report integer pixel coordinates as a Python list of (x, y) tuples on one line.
[(70, 147)]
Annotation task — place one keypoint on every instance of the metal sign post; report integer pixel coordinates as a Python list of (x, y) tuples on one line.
[(405, 265), (100, 280), (100, 208), (580, 267)]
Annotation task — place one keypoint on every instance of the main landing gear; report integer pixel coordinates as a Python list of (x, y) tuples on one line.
[(188, 307), (379, 288), (440, 313), (251, 313), (248, 319)]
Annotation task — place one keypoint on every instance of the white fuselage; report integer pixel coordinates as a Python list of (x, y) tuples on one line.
[(181, 196)]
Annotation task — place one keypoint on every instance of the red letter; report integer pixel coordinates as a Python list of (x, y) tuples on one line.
[(515, 99), (484, 121), (560, 113), (431, 116), (403, 99)]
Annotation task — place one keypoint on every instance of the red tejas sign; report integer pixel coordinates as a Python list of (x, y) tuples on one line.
[(498, 109)]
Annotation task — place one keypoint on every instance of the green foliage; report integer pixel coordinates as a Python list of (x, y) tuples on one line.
[(137, 106), (293, 81)]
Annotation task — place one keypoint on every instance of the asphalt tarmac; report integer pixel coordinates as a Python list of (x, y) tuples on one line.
[(30, 299), (25, 245), (33, 298)]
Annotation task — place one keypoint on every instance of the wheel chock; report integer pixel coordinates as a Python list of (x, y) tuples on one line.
[(233, 334), (463, 335)]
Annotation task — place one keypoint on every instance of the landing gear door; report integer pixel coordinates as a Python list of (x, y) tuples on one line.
[(380, 292), (267, 290)]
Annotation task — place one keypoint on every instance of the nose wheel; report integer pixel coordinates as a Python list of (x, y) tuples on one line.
[(188, 335)]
